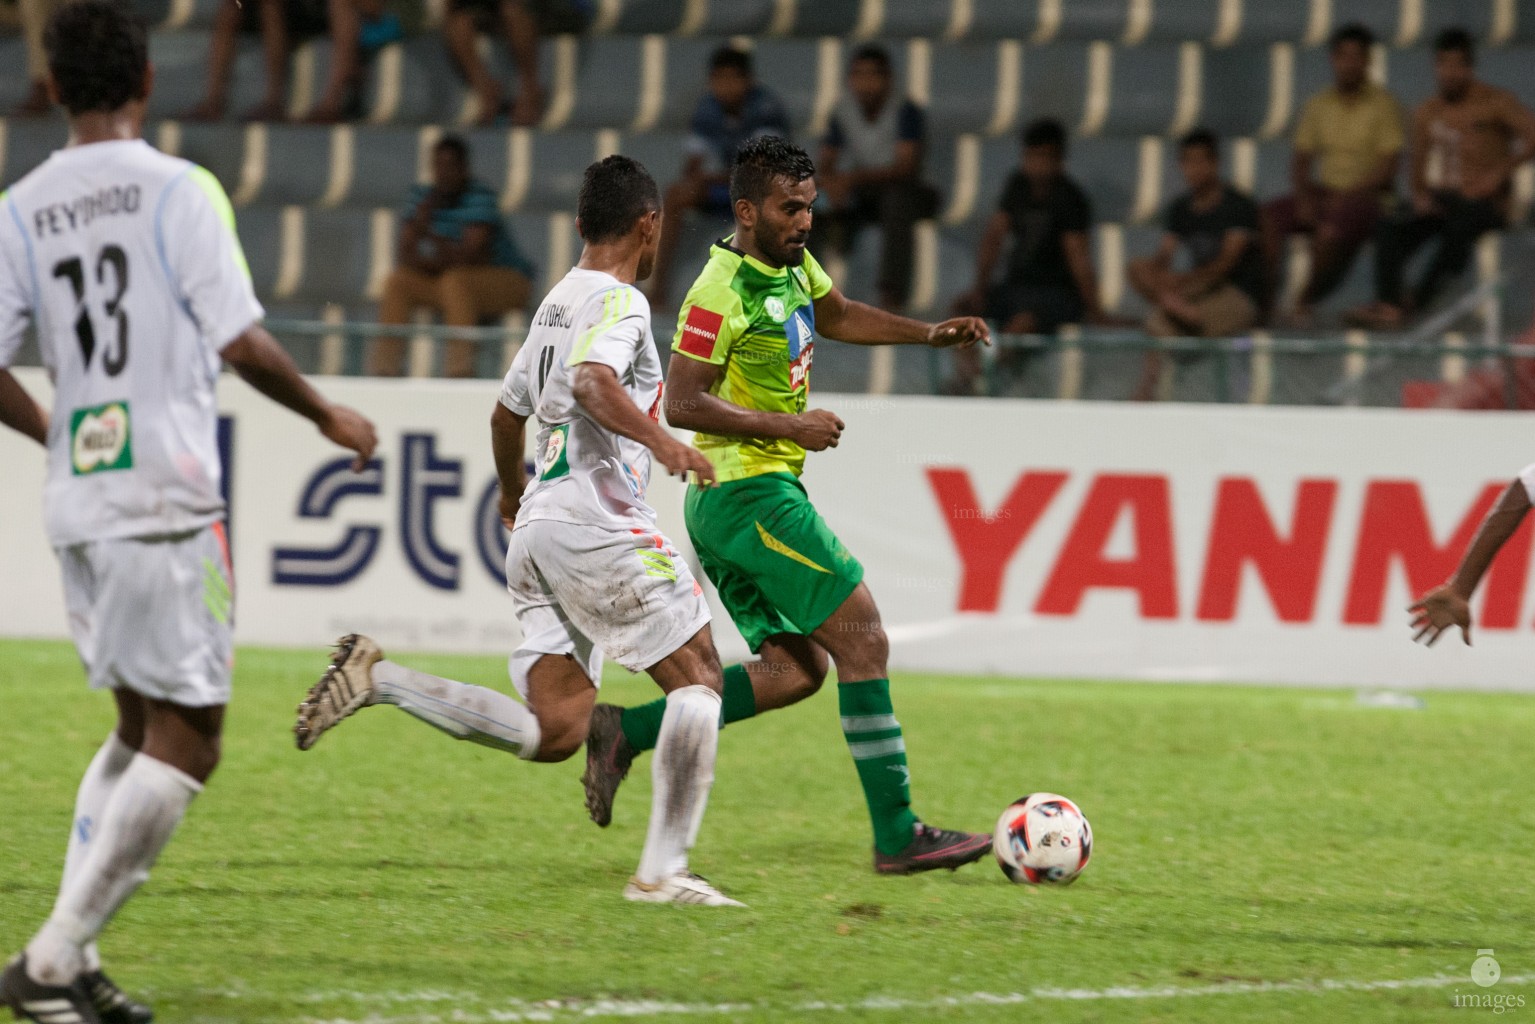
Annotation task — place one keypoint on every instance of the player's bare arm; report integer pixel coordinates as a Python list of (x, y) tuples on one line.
[(506, 444), (20, 411), (691, 405), (597, 388), (1450, 604), (842, 319), (265, 366)]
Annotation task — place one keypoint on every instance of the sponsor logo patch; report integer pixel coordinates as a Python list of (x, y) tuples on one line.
[(100, 440), (700, 331)]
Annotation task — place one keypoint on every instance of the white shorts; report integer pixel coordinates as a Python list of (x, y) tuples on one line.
[(585, 591), (154, 614)]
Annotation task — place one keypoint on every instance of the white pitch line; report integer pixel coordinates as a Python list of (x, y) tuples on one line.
[(470, 1008)]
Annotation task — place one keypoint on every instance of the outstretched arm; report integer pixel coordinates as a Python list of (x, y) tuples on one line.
[(1450, 605), (596, 387), (691, 405), (20, 411), (265, 366), (841, 319)]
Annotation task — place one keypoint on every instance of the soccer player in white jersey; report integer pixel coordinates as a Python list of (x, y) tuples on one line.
[(125, 262), (589, 571)]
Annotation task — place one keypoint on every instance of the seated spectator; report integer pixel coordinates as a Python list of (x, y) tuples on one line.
[(522, 22), (455, 258), (1049, 278), (870, 170), (1218, 226), (34, 16), (734, 110), (1347, 148), (356, 27), (1474, 135)]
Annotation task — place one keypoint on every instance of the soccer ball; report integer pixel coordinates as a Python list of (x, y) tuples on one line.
[(1042, 838)]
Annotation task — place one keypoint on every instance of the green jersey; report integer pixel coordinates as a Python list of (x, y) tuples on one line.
[(758, 323)]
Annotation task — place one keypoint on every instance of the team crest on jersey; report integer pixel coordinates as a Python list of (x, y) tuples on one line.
[(100, 439), (556, 463), (774, 306)]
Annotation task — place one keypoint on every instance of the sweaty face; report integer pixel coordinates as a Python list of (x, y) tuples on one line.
[(450, 173), (868, 82), (1199, 166), (1452, 72), (1350, 65), (729, 87), (783, 222), (1042, 163)]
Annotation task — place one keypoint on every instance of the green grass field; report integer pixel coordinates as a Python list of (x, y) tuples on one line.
[(1262, 854)]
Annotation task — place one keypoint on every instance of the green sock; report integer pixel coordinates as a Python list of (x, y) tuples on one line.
[(879, 752), (642, 724)]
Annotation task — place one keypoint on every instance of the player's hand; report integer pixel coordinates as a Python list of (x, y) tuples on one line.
[(1484, 185), (1437, 611), (508, 506), (960, 332), (1424, 204), (681, 459), (818, 430), (351, 429)]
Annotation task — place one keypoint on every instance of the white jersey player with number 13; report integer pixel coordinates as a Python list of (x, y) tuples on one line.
[(125, 263), (590, 572)]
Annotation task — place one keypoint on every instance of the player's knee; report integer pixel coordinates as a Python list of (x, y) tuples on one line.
[(203, 758)]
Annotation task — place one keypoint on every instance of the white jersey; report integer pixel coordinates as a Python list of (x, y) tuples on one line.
[(126, 262), (586, 474)]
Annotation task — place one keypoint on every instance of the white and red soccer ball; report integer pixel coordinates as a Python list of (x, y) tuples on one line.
[(1044, 839)]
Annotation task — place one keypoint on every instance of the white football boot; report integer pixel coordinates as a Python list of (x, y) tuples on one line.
[(680, 888), (346, 686)]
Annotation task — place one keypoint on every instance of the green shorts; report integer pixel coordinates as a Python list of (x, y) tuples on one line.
[(776, 564)]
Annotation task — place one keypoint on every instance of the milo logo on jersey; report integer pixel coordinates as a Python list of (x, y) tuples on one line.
[(99, 439)]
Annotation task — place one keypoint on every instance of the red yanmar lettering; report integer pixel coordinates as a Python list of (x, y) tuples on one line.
[(1242, 532), (1082, 565), (987, 541)]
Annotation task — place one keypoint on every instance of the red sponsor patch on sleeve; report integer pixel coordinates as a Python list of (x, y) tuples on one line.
[(700, 331)]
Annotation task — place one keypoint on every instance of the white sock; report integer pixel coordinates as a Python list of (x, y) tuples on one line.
[(682, 772), (137, 822), (476, 713), (96, 790)]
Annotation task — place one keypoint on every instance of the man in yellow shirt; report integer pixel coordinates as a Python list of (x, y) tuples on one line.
[(1347, 147)]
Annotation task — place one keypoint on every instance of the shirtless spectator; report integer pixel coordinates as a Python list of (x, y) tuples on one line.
[(1474, 135)]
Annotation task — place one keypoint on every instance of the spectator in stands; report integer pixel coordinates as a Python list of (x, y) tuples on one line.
[(1218, 226), (356, 27), (455, 258), (1049, 278), (734, 110), (522, 22), (1347, 148), (34, 16), (1474, 135), (870, 170)]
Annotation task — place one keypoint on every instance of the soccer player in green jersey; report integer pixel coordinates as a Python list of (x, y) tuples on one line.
[(740, 378)]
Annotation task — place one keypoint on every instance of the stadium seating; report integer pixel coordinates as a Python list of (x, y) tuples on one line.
[(318, 206)]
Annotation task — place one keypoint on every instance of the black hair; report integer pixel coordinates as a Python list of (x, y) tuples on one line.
[(872, 52), (1353, 32), (760, 161), (1456, 40), (1046, 131), (616, 191), (730, 58), (455, 143), (1203, 138), (98, 53)]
